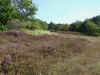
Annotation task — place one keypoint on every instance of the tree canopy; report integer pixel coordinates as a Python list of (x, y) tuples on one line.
[(24, 9), (6, 11), (75, 26)]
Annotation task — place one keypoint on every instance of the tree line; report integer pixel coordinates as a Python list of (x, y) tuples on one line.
[(89, 26)]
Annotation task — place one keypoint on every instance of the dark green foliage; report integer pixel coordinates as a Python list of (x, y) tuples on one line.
[(75, 26), (5, 27), (65, 27), (24, 9), (52, 26), (6, 11), (58, 27), (61, 27), (90, 28), (96, 20)]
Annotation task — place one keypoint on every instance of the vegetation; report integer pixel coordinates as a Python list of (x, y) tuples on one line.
[(38, 32), (57, 27), (75, 26), (30, 46), (6, 11), (49, 54), (24, 9), (19, 14), (89, 26)]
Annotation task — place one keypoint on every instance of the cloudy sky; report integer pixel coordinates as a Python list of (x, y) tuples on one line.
[(66, 11)]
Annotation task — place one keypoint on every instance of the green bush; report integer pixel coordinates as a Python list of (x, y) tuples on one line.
[(58, 27), (29, 24), (90, 28), (6, 11), (96, 20), (64, 27), (52, 26), (5, 27), (61, 27), (75, 26)]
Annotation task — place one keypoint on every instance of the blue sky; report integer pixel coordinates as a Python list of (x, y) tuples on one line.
[(66, 11)]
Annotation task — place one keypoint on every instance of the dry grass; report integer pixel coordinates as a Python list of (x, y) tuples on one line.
[(64, 54)]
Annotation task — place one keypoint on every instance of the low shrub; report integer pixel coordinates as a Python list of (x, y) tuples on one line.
[(29, 24), (5, 27)]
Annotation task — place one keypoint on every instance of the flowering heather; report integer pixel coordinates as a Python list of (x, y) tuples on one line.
[(48, 54), (2, 73), (8, 59), (5, 64), (13, 30)]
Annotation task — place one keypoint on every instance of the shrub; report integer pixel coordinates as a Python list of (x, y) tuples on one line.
[(61, 27), (29, 24), (15, 23), (5, 27), (52, 26), (75, 26), (64, 27), (90, 28), (96, 20), (58, 27)]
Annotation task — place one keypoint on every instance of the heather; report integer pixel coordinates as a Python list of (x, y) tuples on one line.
[(48, 54), (31, 45)]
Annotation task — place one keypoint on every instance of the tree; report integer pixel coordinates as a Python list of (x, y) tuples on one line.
[(90, 28), (96, 20), (75, 26), (6, 11), (40, 24), (24, 9), (33, 24), (43, 25), (52, 26), (61, 27)]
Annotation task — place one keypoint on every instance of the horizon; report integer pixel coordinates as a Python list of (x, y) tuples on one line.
[(63, 11)]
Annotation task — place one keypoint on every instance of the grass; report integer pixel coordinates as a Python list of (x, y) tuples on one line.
[(38, 32), (64, 54), (91, 38)]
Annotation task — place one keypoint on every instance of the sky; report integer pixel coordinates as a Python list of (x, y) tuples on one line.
[(66, 11)]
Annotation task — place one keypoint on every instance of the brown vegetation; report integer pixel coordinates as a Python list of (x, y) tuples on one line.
[(49, 54)]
